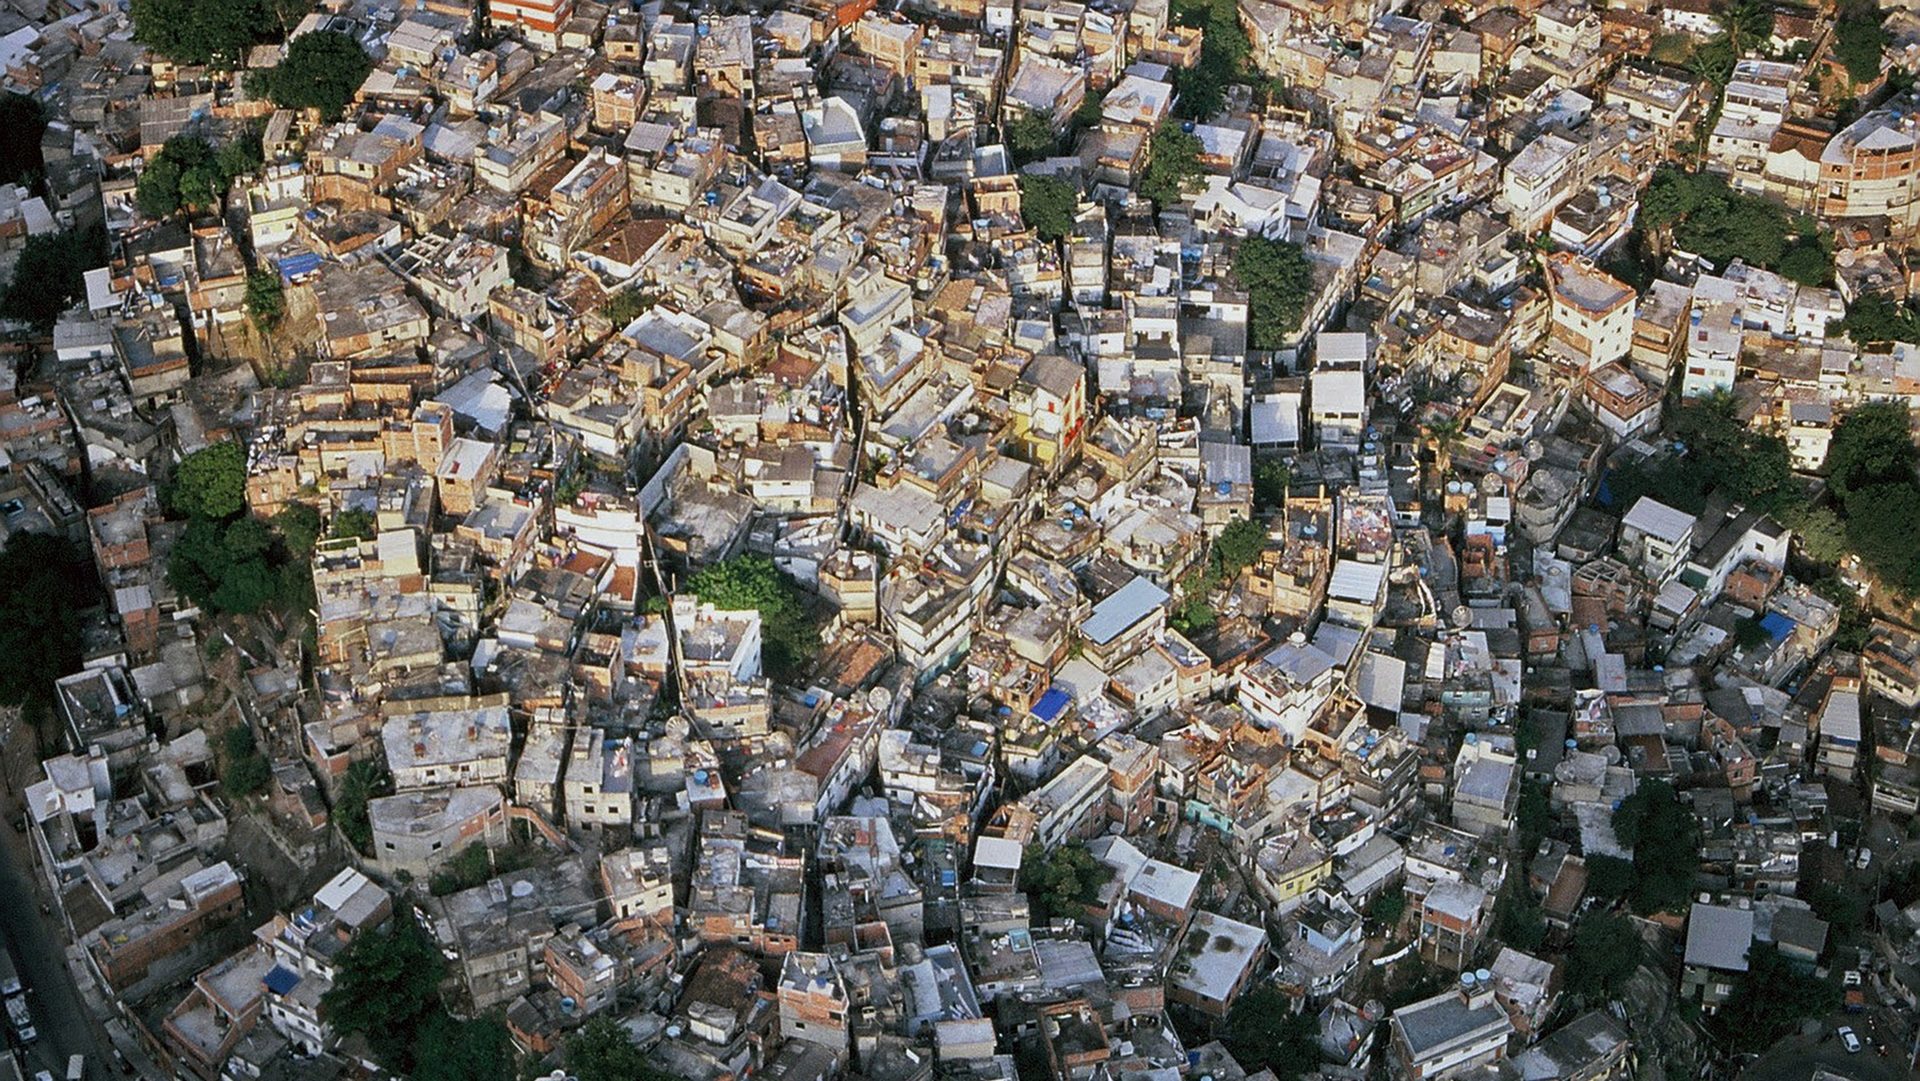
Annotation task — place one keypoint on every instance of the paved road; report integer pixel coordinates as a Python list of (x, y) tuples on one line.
[(65, 1027)]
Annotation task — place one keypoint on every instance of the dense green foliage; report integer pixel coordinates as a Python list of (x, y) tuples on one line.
[(244, 770), (216, 32), (1201, 90), (322, 71), (1750, 467), (299, 526), (363, 782), (1278, 279), (788, 634), (1860, 42), (353, 522), (210, 483), (1265, 1030), (50, 275), (448, 1049), (1875, 320), (1710, 219), (602, 1051), (1270, 479), (1770, 1000), (1049, 204), (1870, 468), (1604, 956), (1608, 877), (22, 121), (189, 174), (1235, 549), (388, 990), (476, 865), (1522, 924), (42, 590), (1173, 164), (266, 299), (1059, 882), (1666, 846), (1030, 136)]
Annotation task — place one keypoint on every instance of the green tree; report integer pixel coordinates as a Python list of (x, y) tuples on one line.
[(1278, 279), (22, 122), (323, 70), (1880, 528), (1747, 24), (1173, 165), (1820, 534), (1049, 204), (266, 300), (387, 989), (216, 32), (1860, 42), (42, 590), (363, 782), (1522, 925), (210, 482), (1770, 999), (245, 776), (1604, 956), (1666, 846), (449, 1050), (1608, 877), (1200, 91), (603, 1051), (1871, 445), (50, 276), (1030, 136), (189, 174), (1270, 479), (1266, 1030), (354, 522), (1875, 320), (1059, 882), (1535, 816), (1237, 547), (299, 527), (788, 634)]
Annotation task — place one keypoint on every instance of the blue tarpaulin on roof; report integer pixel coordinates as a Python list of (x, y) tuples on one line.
[(1776, 625), (1051, 705), (298, 265), (281, 979)]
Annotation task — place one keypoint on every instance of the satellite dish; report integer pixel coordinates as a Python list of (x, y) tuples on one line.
[(1463, 616), (523, 888)]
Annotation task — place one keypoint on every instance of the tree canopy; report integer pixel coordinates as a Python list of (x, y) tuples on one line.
[(211, 483), (1770, 999), (1722, 454), (1710, 219), (322, 71), (1279, 283), (42, 590), (216, 32), (1059, 882), (363, 781), (1264, 1030), (244, 769), (266, 299), (22, 121), (1200, 90), (189, 174), (1860, 42), (1604, 956), (602, 1051), (1875, 320), (1048, 203), (387, 988), (1666, 846), (1030, 136), (788, 635), (1870, 468), (51, 275), (1173, 164)]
